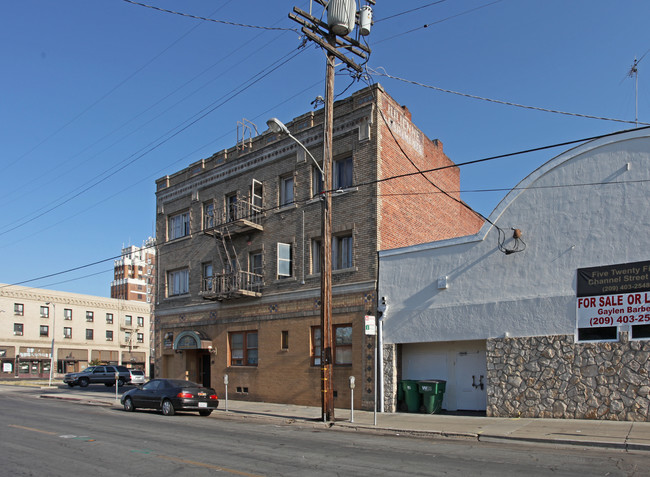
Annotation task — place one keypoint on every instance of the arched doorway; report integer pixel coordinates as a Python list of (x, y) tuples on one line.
[(197, 347)]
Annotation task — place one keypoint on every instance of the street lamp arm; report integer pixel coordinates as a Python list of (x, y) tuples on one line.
[(322, 174), (279, 127)]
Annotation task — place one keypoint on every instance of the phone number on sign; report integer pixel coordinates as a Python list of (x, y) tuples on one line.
[(608, 320)]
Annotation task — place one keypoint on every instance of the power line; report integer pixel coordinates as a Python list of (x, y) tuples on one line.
[(438, 21), (497, 101), (408, 11), (104, 96), (509, 189), (134, 130), (209, 19), (376, 181), (502, 156), (152, 147), (159, 171)]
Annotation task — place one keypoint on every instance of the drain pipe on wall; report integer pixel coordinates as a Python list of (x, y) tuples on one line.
[(302, 282)]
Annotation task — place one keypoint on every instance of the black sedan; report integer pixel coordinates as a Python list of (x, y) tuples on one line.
[(171, 395)]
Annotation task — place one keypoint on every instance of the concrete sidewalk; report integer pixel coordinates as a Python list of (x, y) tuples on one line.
[(629, 436)]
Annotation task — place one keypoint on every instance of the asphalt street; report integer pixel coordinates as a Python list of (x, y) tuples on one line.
[(57, 438)]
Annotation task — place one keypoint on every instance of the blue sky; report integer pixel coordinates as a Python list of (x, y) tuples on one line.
[(101, 98)]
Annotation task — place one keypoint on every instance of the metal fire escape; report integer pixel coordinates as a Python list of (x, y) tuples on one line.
[(239, 216)]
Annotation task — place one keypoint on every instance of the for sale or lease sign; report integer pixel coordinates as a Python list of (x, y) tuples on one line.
[(613, 295)]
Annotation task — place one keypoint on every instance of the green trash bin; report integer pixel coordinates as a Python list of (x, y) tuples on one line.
[(432, 390), (411, 394)]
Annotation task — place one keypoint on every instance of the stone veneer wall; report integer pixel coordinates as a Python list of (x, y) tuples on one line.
[(554, 377), (390, 381)]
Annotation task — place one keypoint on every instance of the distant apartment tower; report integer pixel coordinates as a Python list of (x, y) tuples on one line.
[(134, 275)]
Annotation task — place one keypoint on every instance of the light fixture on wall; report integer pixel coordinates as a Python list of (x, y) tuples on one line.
[(518, 245)]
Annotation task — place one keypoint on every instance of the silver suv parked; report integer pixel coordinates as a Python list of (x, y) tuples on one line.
[(98, 375), (137, 376)]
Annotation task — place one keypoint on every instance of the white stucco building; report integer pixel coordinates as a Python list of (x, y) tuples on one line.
[(496, 316)]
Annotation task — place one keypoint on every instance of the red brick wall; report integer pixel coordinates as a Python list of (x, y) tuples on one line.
[(411, 209)]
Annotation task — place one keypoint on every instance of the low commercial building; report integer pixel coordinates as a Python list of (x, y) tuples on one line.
[(81, 329), (545, 312)]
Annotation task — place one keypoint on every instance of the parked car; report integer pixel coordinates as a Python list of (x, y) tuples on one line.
[(98, 375), (171, 395), (137, 376)]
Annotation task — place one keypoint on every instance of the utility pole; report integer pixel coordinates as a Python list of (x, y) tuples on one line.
[(331, 38)]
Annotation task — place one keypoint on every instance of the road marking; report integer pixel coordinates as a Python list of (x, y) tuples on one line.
[(208, 466), (32, 429)]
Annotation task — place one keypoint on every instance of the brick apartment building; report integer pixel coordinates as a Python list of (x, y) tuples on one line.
[(238, 233), (134, 274)]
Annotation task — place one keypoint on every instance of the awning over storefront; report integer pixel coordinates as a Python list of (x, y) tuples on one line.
[(68, 354), (105, 356), (7, 352), (192, 340), (133, 357), (34, 353)]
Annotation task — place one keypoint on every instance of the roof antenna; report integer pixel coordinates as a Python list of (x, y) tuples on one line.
[(634, 71)]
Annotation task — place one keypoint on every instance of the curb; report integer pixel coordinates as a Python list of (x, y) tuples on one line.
[(90, 402), (386, 431), (625, 446), (409, 432)]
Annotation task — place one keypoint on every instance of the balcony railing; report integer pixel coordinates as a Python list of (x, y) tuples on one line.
[(232, 285), (241, 214)]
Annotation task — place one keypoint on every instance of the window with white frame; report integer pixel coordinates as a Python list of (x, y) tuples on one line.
[(67, 332), (19, 309), (45, 312), (286, 190), (284, 260), (140, 321), (342, 252), (343, 173), (178, 282), (179, 225), (140, 337), (128, 320), (67, 314), (109, 318)]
